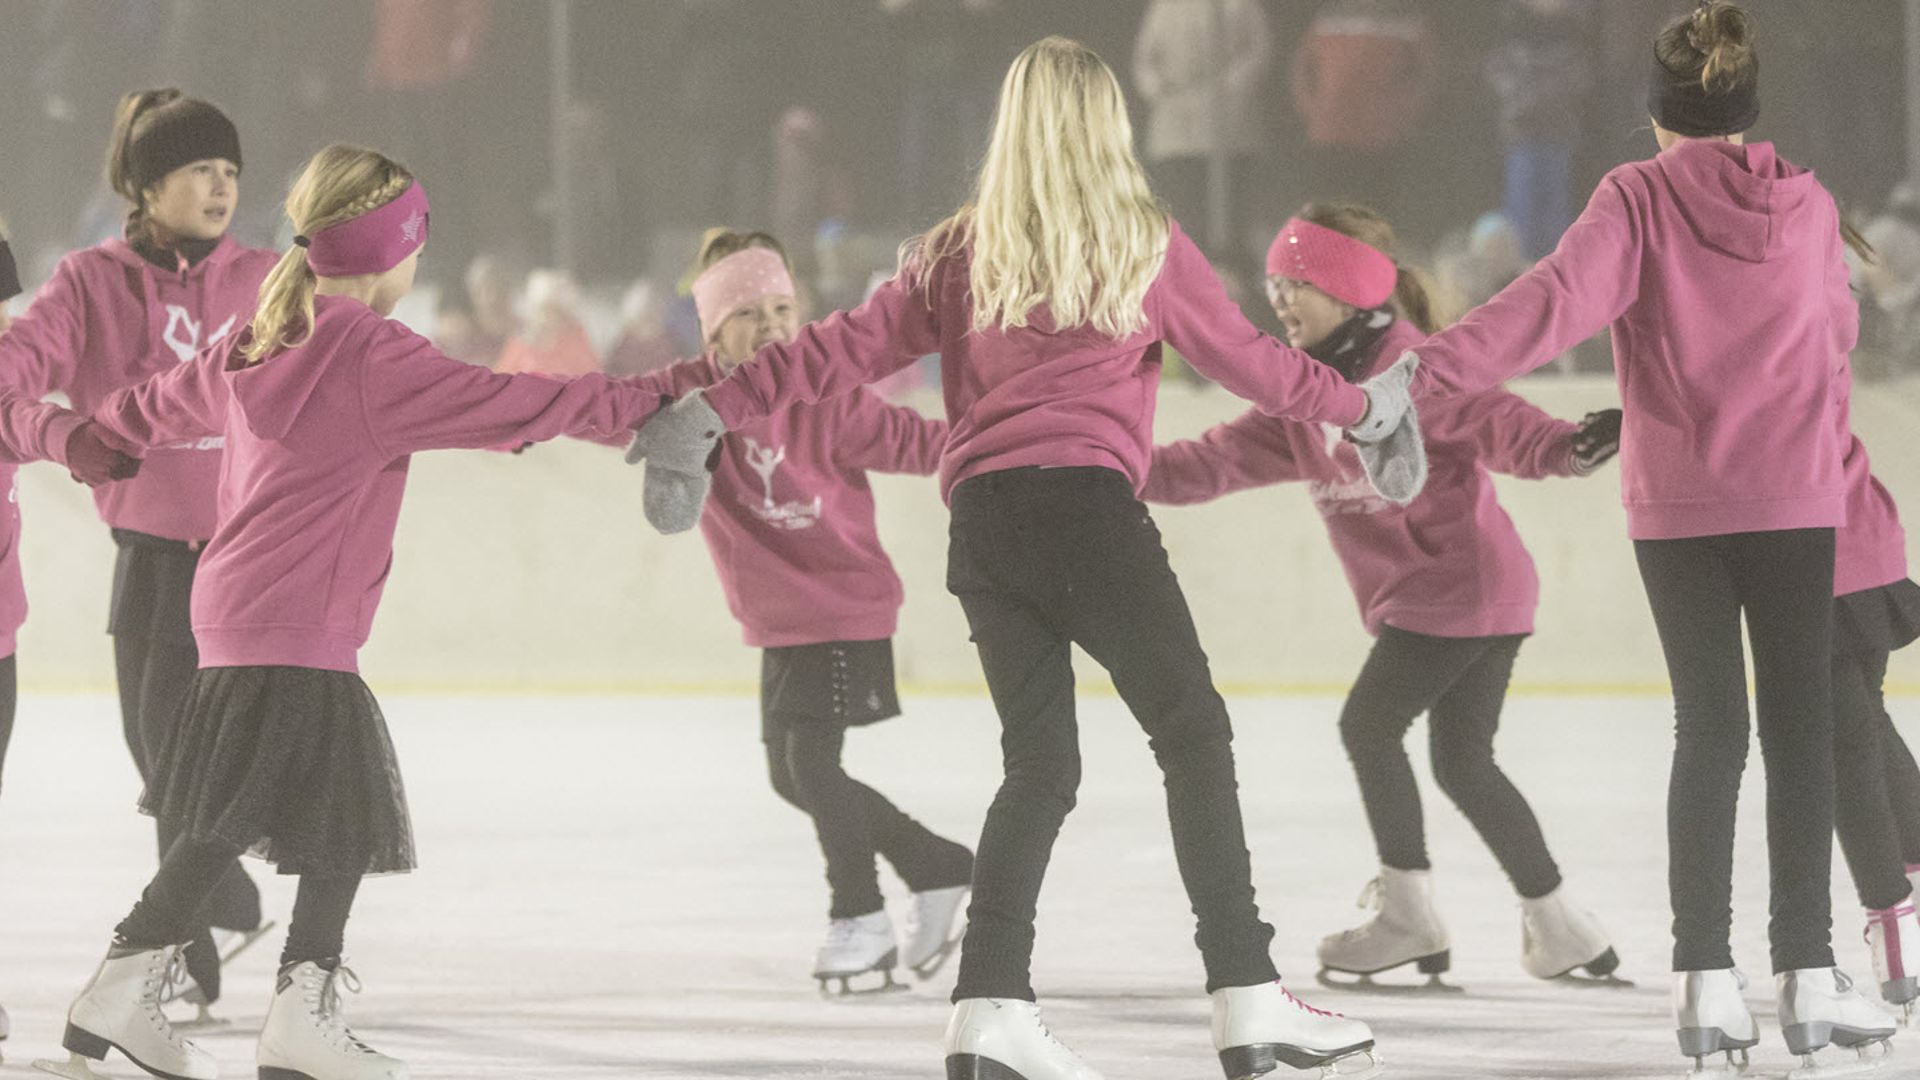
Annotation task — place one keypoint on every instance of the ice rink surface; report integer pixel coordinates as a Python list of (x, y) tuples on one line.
[(609, 888)]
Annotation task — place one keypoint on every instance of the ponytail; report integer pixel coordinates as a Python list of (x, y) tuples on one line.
[(1722, 33), (120, 170), (1413, 299)]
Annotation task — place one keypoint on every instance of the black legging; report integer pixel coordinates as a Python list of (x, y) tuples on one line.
[(1461, 684), (1698, 589), (167, 913), (1877, 808), (854, 822), (9, 704), (1041, 560), (155, 660)]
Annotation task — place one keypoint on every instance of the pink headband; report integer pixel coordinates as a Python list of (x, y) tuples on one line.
[(740, 278), (373, 243), (1333, 262)]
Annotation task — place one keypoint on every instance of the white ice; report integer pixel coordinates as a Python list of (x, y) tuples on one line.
[(608, 888)]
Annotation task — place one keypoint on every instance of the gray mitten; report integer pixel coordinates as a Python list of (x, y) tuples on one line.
[(1388, 400), (676, 444), (1397, 464)]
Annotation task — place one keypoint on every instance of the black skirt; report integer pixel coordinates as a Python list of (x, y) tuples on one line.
[(292, 764), (838, 683), (152, 587), (1882, 620)]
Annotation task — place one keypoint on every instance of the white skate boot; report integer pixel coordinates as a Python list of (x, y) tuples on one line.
[(1893, 940), (1711, 1018), (855, 947), (1257, 1029), (931, 931), (1819, 1006), (1405, 930), (1558, 938), (120, 1010), (306, 1036), (1004, 1039)]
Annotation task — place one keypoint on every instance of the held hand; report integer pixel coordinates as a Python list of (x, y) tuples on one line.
[(1597, 441), (93, 461), (1388, 400)]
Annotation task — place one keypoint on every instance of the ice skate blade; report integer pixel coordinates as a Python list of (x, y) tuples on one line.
[(1811, 1068), (928, 968), (1364, 984), (246, 941), (975, 1067), (846, 991), (1804, 1040), (1356, 1062), (74, 1068)]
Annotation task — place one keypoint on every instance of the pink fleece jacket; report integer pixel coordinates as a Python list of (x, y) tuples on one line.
[(1719, 269), (318, 440), (790, 521), (29, 431), (1038, 395), (1450, 563), (109, 319)]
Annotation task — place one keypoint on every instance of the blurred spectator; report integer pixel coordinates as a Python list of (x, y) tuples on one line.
[(456, 333), (950, 76), (1363, 76), (1541, 71), (810, 189), (1198, 66), (1473, 266), (489, 302), (1892, 281), (644, 344), (555, 340)]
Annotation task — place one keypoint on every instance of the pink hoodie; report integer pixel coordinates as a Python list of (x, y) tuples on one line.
[(109, 319), (29, 431), (1719, 268), (790, 521), (1450, 564), (318, 439), (1037, 395)]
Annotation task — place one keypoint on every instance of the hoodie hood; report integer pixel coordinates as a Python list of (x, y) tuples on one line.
[(1738, 199), (224, 252), (272, 394)]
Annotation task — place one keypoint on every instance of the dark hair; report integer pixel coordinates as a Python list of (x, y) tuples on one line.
[(1714, 41), (1412, 300)]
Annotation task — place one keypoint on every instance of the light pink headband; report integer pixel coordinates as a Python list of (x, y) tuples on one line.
[(740, 278), (374, 242), (1346, 269)]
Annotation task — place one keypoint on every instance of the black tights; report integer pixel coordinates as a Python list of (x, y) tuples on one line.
[(170, 909)]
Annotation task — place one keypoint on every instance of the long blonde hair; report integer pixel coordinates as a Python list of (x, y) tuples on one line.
[(339, 184), (1061, 214)]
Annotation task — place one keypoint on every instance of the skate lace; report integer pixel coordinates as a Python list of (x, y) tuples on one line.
[(174, 978), (840, 932), (1371, 897), (1304, 1007), (331, 1008), (1841, 981), (1885, 918), (166, 970)]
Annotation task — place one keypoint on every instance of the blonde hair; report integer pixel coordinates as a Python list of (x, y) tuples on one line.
[(339, 184), (1061, 214)]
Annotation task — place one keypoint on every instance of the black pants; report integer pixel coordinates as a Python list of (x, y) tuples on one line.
[(9, 704), (1698, 589), (1461, 684), (155, 660), (168, 912), (854, 823), (1041, 560), (1877, 809)]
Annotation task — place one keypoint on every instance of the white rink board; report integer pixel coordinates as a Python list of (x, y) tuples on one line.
[(609, 889)]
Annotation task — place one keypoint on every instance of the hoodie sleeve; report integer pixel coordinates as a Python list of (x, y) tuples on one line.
[(1212, 334), (417, 398), (184, 402), (1572, 294), (895, 327), (41, 350), (1509, 434), (883, 437), (34, 430), (1249, 452)]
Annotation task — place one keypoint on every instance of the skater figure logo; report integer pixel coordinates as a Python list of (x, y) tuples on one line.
[(183, 332), (1347, 491), (765, 460)]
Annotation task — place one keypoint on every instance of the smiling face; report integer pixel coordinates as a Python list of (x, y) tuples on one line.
[(1307, 315), (752, 326), (195, 201)]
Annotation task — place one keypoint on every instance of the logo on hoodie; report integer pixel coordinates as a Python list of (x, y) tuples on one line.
[(765, 460), (183, 332)]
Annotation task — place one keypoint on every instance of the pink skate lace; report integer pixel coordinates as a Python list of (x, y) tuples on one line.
[(1306, 1007)]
